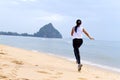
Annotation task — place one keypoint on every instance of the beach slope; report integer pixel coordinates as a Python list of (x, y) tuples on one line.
[(19, 64)]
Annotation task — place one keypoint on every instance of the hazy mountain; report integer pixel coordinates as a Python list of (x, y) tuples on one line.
[(48, 31)]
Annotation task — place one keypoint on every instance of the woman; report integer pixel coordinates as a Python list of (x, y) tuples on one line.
[(76, 33)]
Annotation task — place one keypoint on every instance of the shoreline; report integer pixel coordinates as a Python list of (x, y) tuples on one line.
[(113, 69), (20, 64)]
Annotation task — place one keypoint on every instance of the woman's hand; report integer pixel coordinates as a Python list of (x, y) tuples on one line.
[(92, 38)]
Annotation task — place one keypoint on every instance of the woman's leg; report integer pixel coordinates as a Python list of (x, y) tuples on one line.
[(76, 44), (77, 56)]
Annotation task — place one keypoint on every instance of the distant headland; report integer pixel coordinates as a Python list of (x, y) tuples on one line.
[(47, 31)]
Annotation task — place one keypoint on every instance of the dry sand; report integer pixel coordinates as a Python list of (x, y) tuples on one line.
[(19, 64)]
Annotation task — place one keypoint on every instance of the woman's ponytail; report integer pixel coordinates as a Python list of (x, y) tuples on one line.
[(78, 23)]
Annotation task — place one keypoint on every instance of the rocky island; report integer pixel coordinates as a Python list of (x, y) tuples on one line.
[(47, 31)]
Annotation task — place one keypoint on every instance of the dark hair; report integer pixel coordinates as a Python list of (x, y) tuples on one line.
[(78, 23)]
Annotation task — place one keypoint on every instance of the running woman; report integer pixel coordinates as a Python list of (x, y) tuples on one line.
[(76, 33)]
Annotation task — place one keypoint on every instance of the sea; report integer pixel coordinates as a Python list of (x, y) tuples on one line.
[(104, 54)]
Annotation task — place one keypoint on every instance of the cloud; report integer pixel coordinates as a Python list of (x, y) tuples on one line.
[(53, 17), (15, 2), (18, 2), (29, 0)]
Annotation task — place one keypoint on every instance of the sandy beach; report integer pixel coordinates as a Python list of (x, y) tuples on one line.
[(20, 64)]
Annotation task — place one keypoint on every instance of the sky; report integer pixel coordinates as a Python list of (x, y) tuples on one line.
[(101, 18)]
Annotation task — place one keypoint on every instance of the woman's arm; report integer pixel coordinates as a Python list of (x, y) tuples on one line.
[(87, 34), (72, 31)]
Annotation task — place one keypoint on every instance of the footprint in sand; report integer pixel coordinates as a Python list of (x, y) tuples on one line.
[(18, 62), (59, 73), (36, 65), (53, 74), (3, 77), (5, 65), (23, 79), (19, 79), (97, 77), (43, 72), (2, 53), (49, 72), (13, 73), (83, 79)]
